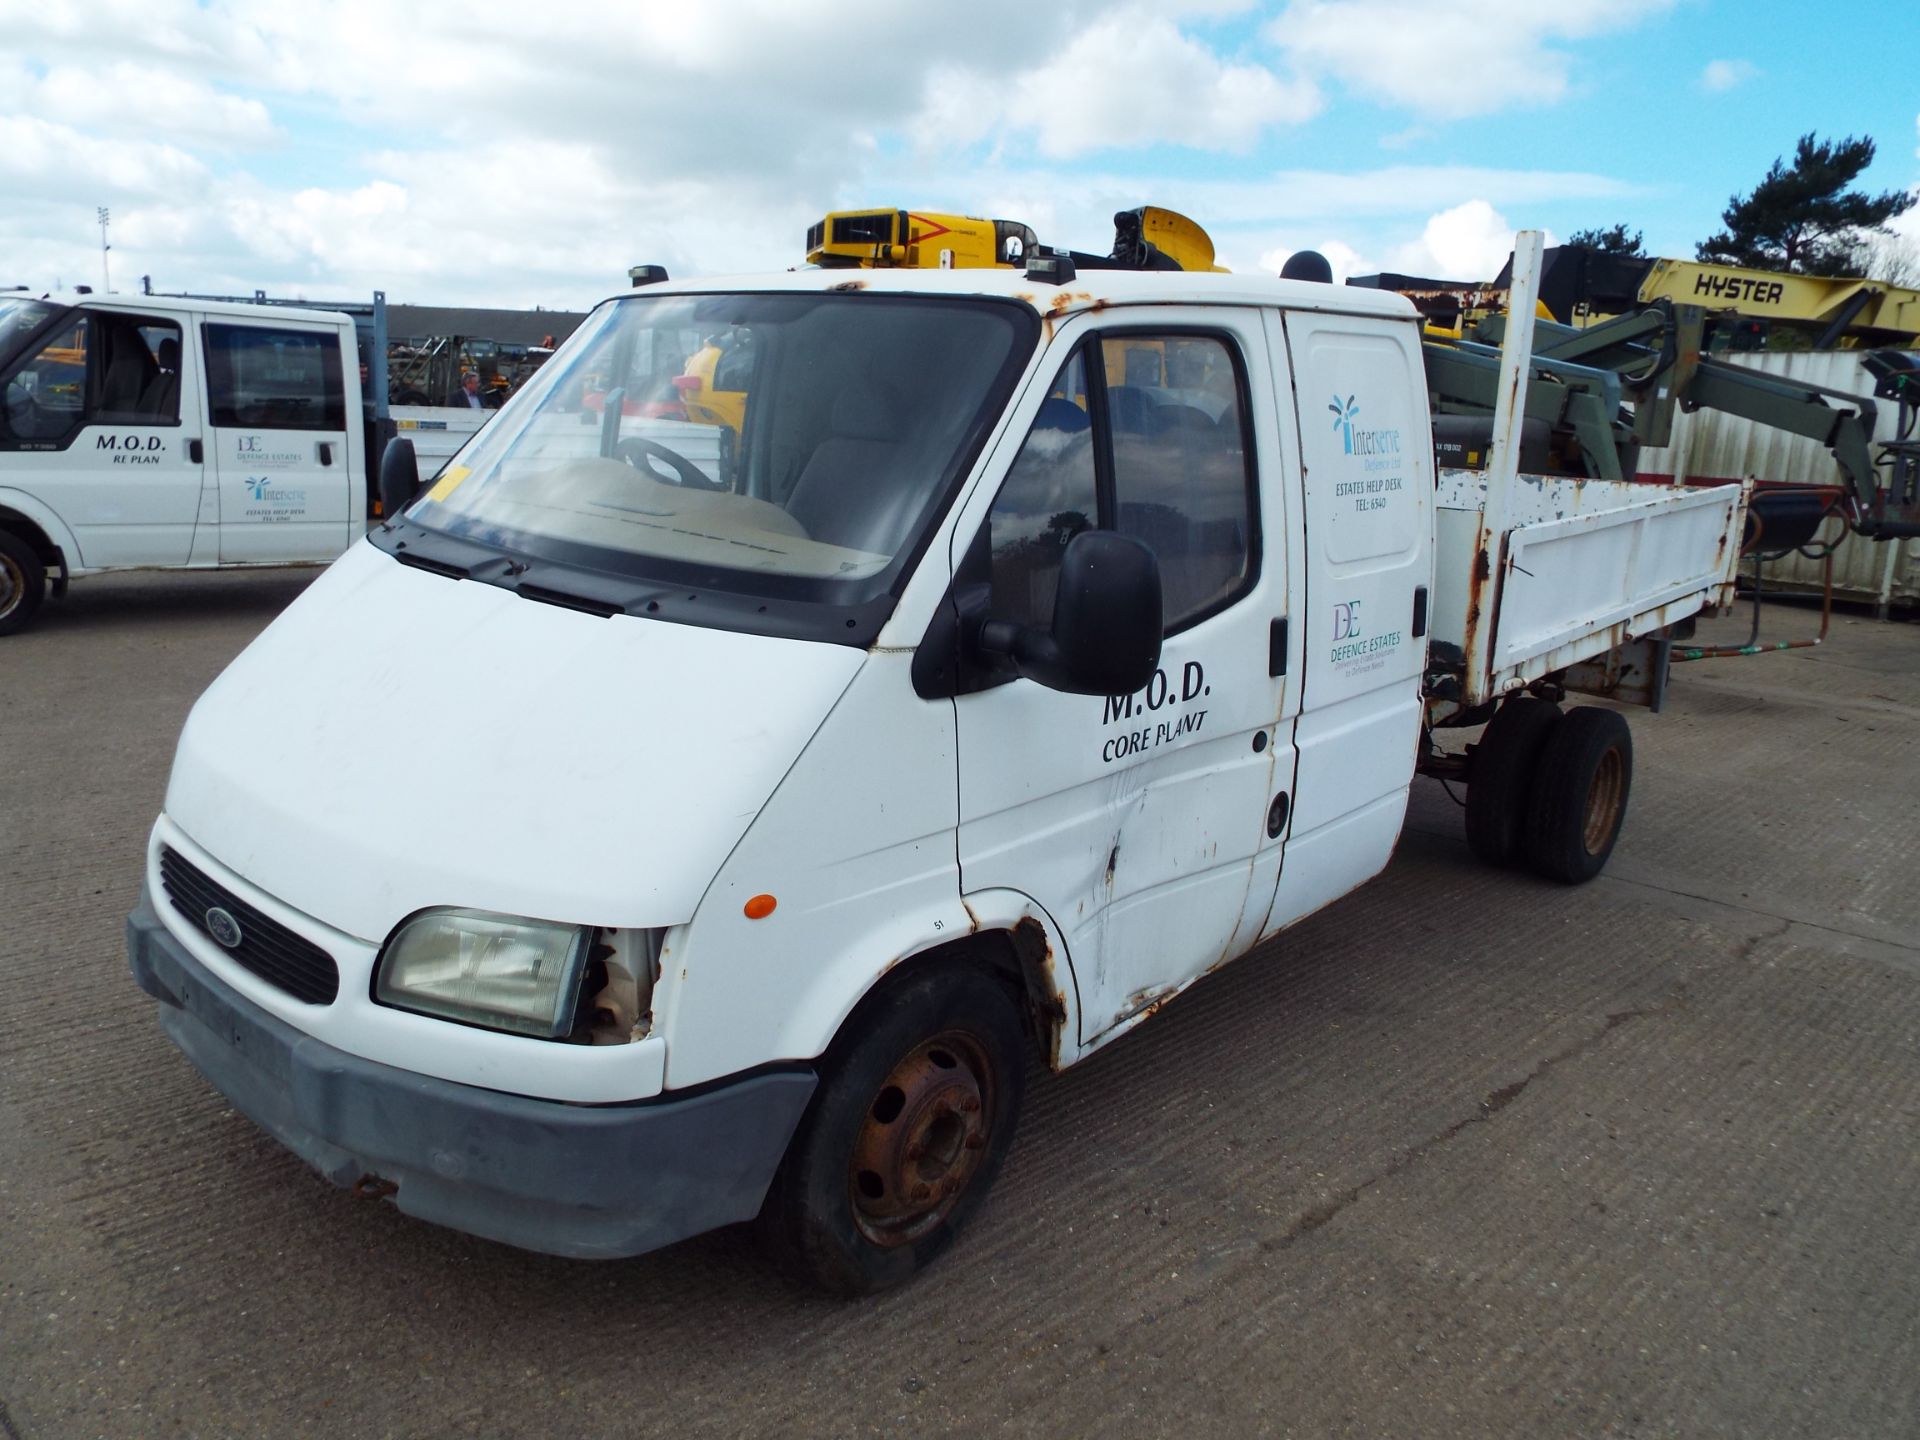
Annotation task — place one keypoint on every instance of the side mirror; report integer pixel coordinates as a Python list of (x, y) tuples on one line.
[(399, 477), (1105, 637)]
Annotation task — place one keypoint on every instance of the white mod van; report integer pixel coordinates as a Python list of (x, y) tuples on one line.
[(154, 431), (169, 432), (1045, 647)]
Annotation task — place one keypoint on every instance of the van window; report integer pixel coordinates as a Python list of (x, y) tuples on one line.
[(46, 398), (264, 379), (1048, 498), (1181, 481), (100, 369), (20, 316), (814, 442), (1176, 476)]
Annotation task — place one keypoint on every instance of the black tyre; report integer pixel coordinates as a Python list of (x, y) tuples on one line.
[(1500, 777), (1580, 795), (915, 1111), (23, 583)]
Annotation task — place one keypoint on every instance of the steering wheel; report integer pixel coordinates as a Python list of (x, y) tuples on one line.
[(640, 453), (23, 414)]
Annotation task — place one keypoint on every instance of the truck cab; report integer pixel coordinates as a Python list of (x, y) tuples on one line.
[(1041, 648), (155, 431)]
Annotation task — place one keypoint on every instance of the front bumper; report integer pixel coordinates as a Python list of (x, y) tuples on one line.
[(587, 1181)]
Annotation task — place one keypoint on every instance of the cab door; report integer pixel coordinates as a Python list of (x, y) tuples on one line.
[(1136, 821), (280, 439), (92, 429)]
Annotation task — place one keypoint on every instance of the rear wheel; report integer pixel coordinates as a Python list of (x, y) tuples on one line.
[(915, 1111), (1579, 796), (1500, 777), (23, 583)]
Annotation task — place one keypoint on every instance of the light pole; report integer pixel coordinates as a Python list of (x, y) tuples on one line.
[(106, 281)]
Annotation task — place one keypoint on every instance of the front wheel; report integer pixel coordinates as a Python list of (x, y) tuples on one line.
[(1579, 798), (23, 583), (915, 1111)]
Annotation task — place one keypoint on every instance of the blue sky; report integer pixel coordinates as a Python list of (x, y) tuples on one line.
[(490, 156)]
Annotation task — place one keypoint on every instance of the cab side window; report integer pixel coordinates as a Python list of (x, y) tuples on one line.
[(135, 371), (265, 379), (46, 395), (1181, 481), (1048, 498), (102, 369), (1149, 440)]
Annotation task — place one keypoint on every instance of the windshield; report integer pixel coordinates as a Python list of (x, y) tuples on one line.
[(789, 446), (19, 318)]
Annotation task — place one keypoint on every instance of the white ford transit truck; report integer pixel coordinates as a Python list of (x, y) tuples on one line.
[(1048, 642)]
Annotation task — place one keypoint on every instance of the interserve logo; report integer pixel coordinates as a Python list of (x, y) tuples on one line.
[(1343, 413)]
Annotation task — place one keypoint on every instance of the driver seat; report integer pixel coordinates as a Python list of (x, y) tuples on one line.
[(162, 398)]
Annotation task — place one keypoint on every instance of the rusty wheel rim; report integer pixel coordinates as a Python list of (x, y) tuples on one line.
[(922, 1140), (13, 585), (1604, 798)]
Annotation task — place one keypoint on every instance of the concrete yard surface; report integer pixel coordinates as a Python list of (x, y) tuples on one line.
[(1467, 1154)]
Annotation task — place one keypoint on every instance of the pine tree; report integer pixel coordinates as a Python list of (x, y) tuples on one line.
[(1802, 217), (1614, 240)]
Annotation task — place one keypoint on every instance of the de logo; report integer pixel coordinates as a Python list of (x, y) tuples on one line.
[(1346, 620)]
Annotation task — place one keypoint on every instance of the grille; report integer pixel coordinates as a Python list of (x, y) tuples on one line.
[(864, 230), (267, 948)]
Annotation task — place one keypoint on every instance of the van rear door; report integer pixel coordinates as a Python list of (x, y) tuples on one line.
[(1368, 486), (284, 441)]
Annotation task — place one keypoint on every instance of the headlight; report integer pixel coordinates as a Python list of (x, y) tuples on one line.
[(492, 970)]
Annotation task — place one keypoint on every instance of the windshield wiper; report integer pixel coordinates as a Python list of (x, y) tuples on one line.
[(567, 600), (432, 565)]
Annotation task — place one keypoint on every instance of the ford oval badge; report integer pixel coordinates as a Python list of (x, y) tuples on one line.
[(223, 928)]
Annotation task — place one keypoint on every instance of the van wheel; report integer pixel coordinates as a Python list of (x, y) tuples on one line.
[(1580, 795), (1500, 777), (915, 1111), (23, 583)]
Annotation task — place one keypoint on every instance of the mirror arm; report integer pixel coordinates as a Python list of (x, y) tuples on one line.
[(1032, 653), (998, 638)]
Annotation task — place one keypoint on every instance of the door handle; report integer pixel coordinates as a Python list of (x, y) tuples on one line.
[(196, 453), (326, 452), (1419, 611), (1277, 647)]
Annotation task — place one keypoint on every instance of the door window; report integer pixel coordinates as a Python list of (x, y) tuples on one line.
[(264, 379), (102, 369), (1151, 442), (1048, 498)]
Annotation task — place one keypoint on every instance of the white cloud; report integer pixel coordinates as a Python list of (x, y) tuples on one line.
[(1470, 241), (1342, 258), (51, 162), (1132, 79), (1723, 75), (1907, 224), (1467, 57), (125, 98)]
